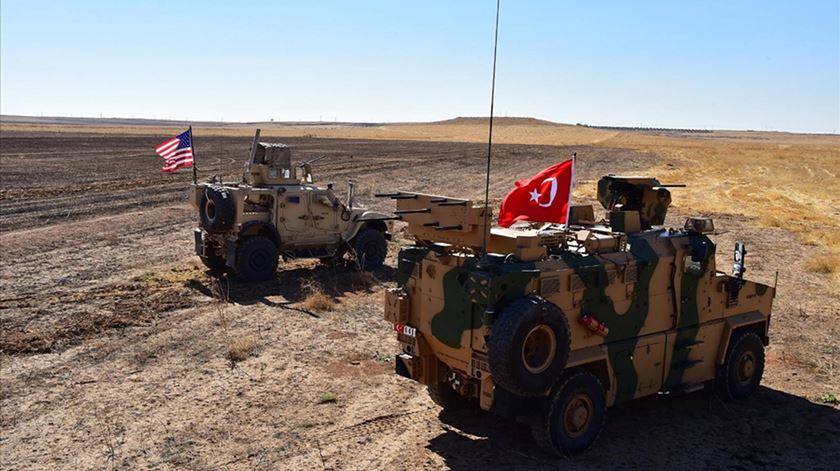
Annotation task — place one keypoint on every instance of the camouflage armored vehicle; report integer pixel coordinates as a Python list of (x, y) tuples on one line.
[(277, 211), (551, 327)]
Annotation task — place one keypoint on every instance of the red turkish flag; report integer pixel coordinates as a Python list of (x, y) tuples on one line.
[(542, 198)]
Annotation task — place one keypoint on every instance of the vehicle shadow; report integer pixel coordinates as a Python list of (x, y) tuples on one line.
[(773, 429), (294, 285)]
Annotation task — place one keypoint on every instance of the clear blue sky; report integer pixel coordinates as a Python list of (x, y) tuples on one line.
[(718, 64)]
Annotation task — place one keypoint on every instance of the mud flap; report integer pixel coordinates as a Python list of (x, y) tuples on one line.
[(525, 410), (198, 242), (230, 254), (404, 365)]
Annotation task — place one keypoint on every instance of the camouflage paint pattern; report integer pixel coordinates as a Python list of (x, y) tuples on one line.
[(669, 312)]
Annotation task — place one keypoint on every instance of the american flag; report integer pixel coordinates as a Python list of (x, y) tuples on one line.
[(177, 152)]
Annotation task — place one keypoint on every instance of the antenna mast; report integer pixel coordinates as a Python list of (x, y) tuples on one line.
[(490, 135)]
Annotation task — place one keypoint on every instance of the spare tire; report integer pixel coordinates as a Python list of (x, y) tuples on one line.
[(529, 346), (216, 210)]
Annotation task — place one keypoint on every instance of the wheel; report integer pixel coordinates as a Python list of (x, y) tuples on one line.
[(371, 248), (529, 346), (574, 416), (741, 372), (256, 259), (446, 397), (212, 260), (216, 210)]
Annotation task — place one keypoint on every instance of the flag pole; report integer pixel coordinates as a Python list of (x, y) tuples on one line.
[(192, 149), (571, 187)]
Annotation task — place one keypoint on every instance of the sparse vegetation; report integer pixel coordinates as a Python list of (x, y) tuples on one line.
[(828, 398), (383, 357), (327, 398), (316, 299), (242, 349)]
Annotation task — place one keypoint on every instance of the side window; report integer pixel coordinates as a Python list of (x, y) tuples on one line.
[(293, 199), (323, 198)]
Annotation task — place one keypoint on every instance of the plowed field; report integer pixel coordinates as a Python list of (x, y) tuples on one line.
[(114, 341)]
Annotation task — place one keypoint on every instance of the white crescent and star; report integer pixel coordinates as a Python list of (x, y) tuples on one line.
[(535, 195)]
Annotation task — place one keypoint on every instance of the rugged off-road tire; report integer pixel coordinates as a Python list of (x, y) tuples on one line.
[(529, 346), (212, 260), (216, 210), (370, 248), (574, 415), (256, 259), (741, 372), (444, 396)]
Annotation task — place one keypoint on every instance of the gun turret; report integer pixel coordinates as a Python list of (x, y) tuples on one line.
[(269, 164), (643, 195), (307, 169)]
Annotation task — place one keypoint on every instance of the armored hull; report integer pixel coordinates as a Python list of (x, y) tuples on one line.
[(634, 312)]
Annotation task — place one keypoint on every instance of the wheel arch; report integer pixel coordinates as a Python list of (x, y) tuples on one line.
[(753, 321), (377, 224), (260, 228), (593, 360)]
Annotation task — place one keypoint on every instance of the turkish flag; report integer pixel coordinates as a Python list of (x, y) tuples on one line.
[(542, 198)]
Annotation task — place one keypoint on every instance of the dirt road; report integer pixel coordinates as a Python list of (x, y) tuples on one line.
[(114, 342)]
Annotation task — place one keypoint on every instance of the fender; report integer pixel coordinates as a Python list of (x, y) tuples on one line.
[(365, 217), (260, 228), (753, 319)]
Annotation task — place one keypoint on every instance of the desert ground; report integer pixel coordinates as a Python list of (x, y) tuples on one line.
[(119, 351)]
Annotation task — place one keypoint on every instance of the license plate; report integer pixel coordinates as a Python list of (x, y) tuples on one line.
[(405, 330)]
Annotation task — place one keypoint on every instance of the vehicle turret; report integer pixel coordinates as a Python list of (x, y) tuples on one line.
[(643, 195)]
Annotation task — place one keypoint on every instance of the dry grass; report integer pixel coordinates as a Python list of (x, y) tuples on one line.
[(316, 299), (242, 349), (826, 265)]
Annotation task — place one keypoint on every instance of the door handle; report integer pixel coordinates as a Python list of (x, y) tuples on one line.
[(303, 217)]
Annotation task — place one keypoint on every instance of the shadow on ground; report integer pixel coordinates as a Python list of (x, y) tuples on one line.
[(294, 284), (771, 430)]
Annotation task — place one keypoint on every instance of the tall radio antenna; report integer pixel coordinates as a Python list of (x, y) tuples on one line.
[(490, 135)]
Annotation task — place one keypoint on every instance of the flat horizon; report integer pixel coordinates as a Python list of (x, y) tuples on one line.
[(45, 120)]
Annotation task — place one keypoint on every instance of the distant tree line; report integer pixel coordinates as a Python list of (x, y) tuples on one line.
[(632, 128)]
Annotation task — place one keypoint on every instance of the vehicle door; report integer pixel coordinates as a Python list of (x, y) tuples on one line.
[(323, 209), (293, 217)]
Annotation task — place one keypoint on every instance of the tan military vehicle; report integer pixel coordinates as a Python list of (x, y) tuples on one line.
[(551, 327), (277, 211)]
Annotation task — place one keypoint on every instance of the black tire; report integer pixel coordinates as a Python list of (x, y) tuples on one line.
[(216, 210), (741, 372), (574, 415), (256, 259), (212, 260), (529, 346), (370, 248), (446, 397)]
